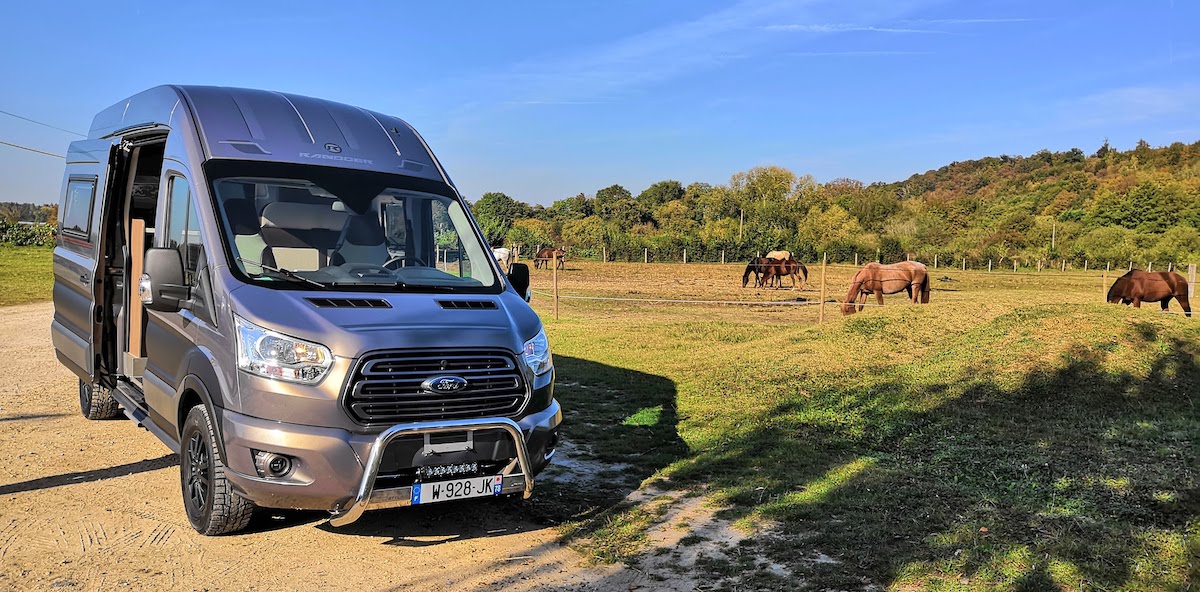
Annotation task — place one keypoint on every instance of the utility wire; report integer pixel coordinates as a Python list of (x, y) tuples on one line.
[(31, 149), (43, 124)]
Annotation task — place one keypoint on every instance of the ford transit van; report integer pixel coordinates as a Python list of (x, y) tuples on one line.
[(291, 294)]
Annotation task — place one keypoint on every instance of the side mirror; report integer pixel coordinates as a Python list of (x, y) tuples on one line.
[(518, 276), (161, 286)]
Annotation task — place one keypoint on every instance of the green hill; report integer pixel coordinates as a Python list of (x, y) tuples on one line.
[(1139, 205)]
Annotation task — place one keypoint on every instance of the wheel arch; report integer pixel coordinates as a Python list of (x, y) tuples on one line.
[(193, 392)]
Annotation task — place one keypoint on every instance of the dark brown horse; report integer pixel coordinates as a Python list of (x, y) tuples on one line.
[(755, 266), (777, 269), (766, 269), (546, 255), (878, 279), (1139, 286)]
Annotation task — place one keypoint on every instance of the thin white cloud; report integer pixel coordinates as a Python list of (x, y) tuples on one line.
[(967, 21), (822, 54), (844, 28), (605, 72), (1131, 104)]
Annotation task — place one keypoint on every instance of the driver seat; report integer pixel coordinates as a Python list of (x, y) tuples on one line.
[(362, 241)]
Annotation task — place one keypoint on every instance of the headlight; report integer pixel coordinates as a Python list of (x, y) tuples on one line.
[(537, 353), (273, 355)]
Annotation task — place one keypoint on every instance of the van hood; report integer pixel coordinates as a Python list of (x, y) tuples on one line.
[(350, 327)]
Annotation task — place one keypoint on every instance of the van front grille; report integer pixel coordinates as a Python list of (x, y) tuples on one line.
[(386, 387)]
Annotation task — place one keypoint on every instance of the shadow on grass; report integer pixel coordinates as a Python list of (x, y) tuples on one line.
[(618, 428), (1077, 476)]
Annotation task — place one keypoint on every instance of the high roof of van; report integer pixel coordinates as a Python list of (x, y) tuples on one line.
[(246, 124)]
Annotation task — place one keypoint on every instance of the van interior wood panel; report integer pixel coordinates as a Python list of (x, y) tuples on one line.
[(137, 254)]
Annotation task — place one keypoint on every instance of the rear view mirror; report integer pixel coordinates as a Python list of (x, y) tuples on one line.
[(518, 276), (162, 286)]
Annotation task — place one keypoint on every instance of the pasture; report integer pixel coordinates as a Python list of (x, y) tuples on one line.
[(25, 274), (1016, 433)]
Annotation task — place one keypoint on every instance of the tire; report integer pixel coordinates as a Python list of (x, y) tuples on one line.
[(97, 402), (212, 506)]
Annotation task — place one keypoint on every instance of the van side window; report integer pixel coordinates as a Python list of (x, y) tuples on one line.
[(183, 233), (77, 218)]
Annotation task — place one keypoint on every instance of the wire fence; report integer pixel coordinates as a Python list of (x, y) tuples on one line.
[(556, 296)]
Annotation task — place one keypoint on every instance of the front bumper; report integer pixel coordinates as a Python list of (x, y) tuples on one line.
[(336, 470)]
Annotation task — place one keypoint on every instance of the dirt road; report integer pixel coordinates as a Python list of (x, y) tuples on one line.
[(96, 505)]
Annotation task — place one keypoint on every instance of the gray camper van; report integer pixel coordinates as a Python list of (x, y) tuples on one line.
[(291, 294)]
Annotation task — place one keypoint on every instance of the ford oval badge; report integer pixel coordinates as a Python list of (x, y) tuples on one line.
[(445, 384)]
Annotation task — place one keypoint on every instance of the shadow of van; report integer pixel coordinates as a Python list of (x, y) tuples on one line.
[(619, 427)]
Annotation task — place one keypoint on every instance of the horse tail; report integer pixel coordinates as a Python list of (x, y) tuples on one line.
[(803, 270), (925, 288)]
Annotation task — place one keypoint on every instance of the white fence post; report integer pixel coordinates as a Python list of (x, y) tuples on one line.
[(1191, 281)]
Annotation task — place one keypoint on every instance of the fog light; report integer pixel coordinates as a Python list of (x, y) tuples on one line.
[(270, 464)]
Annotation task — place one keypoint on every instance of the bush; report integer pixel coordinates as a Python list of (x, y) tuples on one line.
[(27, 235)]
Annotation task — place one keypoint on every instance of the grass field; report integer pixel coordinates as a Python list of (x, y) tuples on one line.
[(25, 274), (1015, 434)]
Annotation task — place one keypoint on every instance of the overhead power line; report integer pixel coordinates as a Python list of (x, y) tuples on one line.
[(42, 124), (31, 149)]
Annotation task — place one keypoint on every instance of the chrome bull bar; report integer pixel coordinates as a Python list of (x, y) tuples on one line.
[(392, 498)]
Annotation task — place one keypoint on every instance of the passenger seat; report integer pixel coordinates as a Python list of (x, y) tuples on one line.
[(300, 236), (362, 241), (243, 220)]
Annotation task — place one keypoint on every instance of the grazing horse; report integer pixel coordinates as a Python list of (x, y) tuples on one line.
[(546, 255), (755, 266), (777, 269), (1139, 286), (503, 256), (878, 279)]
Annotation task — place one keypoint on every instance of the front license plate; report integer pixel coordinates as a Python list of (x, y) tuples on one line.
[(444, 491)]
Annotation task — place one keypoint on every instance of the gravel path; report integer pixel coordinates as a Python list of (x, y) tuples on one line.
[(96, 505)]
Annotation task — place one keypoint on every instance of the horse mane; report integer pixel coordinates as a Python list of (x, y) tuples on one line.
[(749, 269)]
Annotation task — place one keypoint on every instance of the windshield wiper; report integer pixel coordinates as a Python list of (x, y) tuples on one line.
[(285, 272), (399, 284)]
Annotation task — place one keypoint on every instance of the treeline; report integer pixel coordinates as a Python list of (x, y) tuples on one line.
[(1138, 205), (26, 212)]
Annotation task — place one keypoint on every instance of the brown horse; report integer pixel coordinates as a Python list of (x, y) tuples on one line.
[(878, 279), (777, 269), (546, 255), (1139, 286), (755, 266)]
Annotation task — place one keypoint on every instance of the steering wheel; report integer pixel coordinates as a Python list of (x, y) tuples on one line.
[(399, 258)]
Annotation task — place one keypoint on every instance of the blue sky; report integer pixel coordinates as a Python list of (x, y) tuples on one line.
[(543, 101)]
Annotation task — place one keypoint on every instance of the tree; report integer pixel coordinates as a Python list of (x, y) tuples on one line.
[(660, 193), (572, 208), (496, 213)]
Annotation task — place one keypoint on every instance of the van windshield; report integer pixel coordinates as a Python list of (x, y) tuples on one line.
[(322, 228)]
